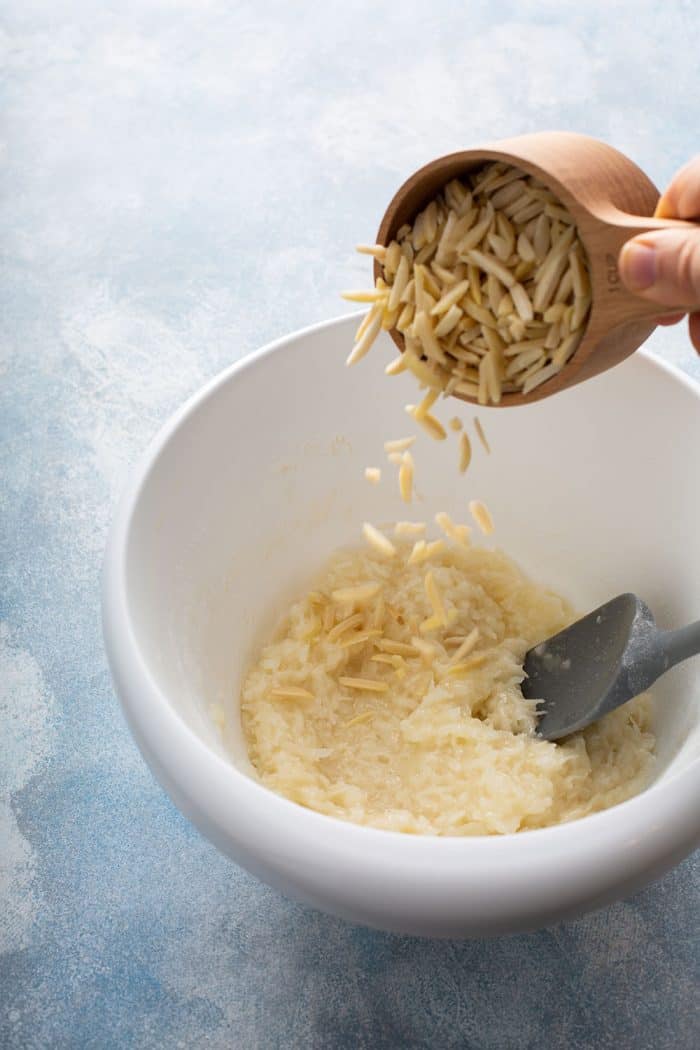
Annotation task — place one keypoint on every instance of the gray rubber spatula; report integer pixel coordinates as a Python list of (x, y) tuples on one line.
[(601, 662)]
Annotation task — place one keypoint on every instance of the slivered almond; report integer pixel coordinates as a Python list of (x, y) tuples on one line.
[(541, 376), (376, 539), (388, 645), (392, 258), (363, 345), (369, 295), (360, 637), (409, 528), (526, 250), (367, 320), (425, 650), (382, 658), (432, 623), (348, 624), (405, 318), (406, 477), (465, 453), (431, 425), (581, 306), (480, 314), (448, 322), (399, 444), (554, 313), (467, 645), (459, 533), (377, 250), (368, 685), (450, 298), (422, 551), (480, 513), (456, 670), (361, 592), (420, 411), (428, 340), (490, 264), (290, 692), (521, 302), (359, 719), (435, 598), (398, 365)]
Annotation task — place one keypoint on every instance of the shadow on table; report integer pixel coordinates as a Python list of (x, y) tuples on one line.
[(623, 977), (147, 937)]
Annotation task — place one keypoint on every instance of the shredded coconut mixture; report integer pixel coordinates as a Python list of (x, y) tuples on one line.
[(391, 697)]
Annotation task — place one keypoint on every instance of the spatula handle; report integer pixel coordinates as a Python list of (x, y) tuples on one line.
[(681, 644)]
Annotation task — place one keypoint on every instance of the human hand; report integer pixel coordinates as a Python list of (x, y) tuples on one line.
[(664, 265)]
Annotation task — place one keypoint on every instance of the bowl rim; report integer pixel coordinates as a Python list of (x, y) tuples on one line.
[(662, 821)]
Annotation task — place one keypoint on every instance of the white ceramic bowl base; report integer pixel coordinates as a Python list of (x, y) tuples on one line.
[(260, 477)]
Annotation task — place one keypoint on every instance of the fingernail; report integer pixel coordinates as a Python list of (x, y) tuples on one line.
[(638, 265)]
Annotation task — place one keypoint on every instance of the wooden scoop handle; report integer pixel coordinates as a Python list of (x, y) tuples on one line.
[(618, 228)]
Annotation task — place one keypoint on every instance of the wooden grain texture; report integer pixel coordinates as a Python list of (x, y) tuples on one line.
[(611, 200)]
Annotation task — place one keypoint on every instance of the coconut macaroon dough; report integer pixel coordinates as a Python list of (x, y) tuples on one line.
[(391, 697)]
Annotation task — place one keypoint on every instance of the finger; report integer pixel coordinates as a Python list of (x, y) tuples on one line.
[(694, 330), (663, 266), (669, 319), (682, 198)]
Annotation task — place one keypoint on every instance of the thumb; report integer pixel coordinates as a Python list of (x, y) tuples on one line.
[(664, 266)]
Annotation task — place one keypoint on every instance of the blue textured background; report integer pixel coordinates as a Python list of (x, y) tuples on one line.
[(183, 180)]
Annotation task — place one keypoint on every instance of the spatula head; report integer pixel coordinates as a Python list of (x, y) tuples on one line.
[(594, 666)]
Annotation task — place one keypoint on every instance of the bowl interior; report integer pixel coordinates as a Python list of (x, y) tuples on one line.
[(261, 478)]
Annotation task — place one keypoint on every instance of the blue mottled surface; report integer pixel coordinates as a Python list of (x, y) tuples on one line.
[(183, 180)]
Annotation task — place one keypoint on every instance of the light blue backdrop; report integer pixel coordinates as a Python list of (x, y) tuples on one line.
[(183, 180)]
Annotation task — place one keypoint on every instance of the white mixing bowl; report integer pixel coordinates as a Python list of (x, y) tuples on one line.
[(260, 477)]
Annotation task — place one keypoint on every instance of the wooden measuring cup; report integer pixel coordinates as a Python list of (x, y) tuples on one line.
[(610, 199)]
